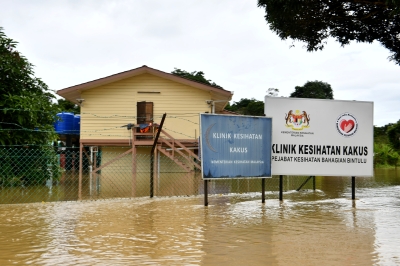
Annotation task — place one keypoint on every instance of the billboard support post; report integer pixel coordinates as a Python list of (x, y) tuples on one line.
[(262, 190), (353, 187), (205, 192), (281, 187)]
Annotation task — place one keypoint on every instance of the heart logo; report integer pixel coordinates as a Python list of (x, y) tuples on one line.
[(347, 125)]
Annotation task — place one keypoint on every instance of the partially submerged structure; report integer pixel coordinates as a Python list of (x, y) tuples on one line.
[(125, 110)]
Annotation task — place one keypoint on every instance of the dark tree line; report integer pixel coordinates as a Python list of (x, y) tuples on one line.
[(247, 107), (314, 90), (387, 144), (195, 76), (314, 21), (311, 89)]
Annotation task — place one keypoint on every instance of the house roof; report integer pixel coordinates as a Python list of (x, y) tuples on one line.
[(74, 92)]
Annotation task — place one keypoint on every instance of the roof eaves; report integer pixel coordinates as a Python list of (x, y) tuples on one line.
[(138, 71)]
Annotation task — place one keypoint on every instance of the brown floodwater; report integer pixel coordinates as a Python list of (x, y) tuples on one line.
[(322, 227)]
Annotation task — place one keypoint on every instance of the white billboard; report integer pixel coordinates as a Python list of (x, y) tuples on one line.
[(321, 137)]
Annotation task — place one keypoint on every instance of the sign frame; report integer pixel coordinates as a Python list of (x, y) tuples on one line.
[(320, 137), (235, 146)]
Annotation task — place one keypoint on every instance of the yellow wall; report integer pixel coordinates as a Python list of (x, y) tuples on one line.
[(107, 108), (116, 179), (123, 166)]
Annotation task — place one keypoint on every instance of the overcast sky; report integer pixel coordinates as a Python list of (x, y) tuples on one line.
[(71, 42)]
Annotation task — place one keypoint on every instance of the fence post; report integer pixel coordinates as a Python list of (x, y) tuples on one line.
[(80, 171), (152, 174)]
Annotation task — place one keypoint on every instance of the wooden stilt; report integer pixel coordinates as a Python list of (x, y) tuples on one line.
[(133, 166)]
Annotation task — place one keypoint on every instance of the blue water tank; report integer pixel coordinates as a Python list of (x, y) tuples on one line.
[(77, 124), (66, 123)]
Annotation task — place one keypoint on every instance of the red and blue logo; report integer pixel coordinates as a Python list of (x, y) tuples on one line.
[(346, 125)]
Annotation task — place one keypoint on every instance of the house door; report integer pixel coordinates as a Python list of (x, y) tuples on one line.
[(144, 112)]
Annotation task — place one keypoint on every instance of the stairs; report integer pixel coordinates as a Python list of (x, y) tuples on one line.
[(177, 152)]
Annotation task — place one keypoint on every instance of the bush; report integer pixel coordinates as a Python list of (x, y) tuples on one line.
[(384, 155), (27, 166)]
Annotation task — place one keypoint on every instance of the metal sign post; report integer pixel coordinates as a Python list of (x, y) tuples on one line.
[(263, 190), (235, 147), (205, 192)]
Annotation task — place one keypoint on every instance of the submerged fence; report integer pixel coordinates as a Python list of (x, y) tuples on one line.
[(43, 174)]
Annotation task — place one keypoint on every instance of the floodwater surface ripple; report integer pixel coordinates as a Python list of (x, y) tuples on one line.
[(322, 227)]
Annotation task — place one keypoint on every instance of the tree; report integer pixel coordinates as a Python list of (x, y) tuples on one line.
[(387, 144), (380, 134), (195, 76), (26, 110), (385, 155), (244, 106), (247, 107), (393, 133), (272, 92), (314, 21), (313, 89), (67, 106)]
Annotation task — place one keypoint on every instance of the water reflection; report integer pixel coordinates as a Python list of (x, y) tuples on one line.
[(307, 228)]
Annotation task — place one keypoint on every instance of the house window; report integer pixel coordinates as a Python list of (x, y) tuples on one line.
[(144, 112)]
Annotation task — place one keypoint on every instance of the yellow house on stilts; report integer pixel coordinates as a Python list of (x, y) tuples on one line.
[(123, 112)]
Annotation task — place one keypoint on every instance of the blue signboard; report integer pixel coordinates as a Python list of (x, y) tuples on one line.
[(235, 146)]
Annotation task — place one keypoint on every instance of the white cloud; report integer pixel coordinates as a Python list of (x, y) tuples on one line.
[(71, 42)]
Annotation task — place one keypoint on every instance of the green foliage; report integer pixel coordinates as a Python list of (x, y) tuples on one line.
[(380, 134), (313, 89), (385, 156), (26, 110), (247, 107), (393, 158), (251, 106), (28, 166), (393, 133), (272, 92), (197, 76), (386, 145), (67, 106), (313, 22)]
